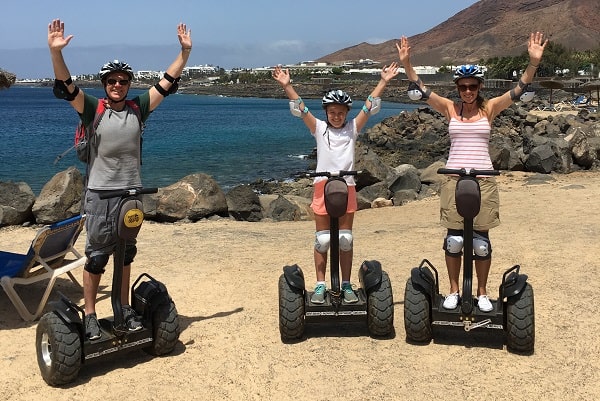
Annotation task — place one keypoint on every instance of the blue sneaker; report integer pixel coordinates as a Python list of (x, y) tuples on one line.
[(349, 295), (318, 297)]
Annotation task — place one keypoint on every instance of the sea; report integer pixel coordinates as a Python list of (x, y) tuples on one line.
[(234, 140)]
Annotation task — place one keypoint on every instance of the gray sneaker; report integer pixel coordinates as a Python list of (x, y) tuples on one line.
[(132, 320), (318, 297), (92, 327), (349, 295)]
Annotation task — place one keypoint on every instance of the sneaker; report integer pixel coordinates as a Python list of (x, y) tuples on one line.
[(451, 301), (484, 303), (349, 295), (318, 297), (132, 321), (92, 327)]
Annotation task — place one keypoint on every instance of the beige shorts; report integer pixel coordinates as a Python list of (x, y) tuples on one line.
[(489, 214), (318, 201)]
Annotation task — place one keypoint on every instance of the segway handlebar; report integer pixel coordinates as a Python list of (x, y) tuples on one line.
[(120, 193), (463, 172), (340, 173)]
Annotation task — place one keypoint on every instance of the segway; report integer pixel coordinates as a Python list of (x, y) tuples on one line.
[(513, 311), (61, 343), (375, 304)]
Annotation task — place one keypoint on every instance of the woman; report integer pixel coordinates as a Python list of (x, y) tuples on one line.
[(470, 120)]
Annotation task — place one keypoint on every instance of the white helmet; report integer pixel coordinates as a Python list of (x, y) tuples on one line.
[(115, 66), (337, 96), (468, 71)]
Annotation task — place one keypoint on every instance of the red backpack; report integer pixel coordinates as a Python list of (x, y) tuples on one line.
[(84, 134)]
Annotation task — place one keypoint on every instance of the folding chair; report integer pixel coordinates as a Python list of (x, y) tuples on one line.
[(44, 260)]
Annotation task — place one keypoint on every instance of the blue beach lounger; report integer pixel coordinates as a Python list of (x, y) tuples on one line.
[(44, 260)]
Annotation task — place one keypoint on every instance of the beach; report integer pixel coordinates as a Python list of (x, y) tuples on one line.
[(223, 275)]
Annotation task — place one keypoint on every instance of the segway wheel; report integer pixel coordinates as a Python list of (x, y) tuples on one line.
[(520, 321), (380, 308), (165, 328), (58, 348), (291, 311), (417, 314)]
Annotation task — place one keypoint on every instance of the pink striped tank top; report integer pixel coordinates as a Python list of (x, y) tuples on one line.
[(469, 144)]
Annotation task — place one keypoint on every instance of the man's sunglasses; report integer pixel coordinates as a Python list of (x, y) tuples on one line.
[(472, 87), (121, 82)]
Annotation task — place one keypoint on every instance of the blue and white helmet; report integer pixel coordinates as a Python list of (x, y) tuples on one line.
[(115, 66), (337, 96), (468, 71)]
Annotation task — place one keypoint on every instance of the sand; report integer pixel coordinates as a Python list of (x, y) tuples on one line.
[(223, 278)]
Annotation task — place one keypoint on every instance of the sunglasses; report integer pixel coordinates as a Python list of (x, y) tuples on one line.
[(121, 82), (472, 87)]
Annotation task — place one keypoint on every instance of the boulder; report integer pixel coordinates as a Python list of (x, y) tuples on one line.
[(60, 198), (243, 203), (16, 201)]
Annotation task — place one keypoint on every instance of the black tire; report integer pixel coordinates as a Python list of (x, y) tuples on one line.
[(520, 322), (417, 314), (58, 349), (291, 311), (380, 308), (165, 327)]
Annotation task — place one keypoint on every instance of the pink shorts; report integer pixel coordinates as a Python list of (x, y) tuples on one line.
[(318, 201)]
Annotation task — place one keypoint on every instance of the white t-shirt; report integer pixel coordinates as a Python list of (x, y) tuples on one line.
[(335, 148)]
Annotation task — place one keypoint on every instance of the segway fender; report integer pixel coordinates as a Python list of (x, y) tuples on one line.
[(423, 278), (514, 285), (294, 276), (370, 274), (65, 311)]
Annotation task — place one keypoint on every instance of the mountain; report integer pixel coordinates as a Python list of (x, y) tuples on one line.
[(490, 28)]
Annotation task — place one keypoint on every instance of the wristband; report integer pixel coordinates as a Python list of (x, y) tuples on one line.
[(305, 110), (186, 49), (365, 109)]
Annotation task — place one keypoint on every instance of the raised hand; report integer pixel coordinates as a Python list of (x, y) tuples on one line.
[(56, 35), (536, 46), (184, 35), (403, 50), (282, 76), (389, 72)]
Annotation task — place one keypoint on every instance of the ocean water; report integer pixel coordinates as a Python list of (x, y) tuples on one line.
[(234, 140)]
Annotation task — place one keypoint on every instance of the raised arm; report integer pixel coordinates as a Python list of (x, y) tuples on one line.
[(387, 74), (438, 103), (64, 86), (170, 80), (283, 77), (535, 48)]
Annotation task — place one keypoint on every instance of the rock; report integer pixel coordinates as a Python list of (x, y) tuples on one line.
[(243, 204), (60, 198), (16, 201)]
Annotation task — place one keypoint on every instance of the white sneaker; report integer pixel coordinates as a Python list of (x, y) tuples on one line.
[(484, 303), (451, 301)]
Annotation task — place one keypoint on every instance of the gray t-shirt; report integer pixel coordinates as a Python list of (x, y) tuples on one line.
[(115, 156)]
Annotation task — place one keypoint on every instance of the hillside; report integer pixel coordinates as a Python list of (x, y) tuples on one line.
[(491, 28)]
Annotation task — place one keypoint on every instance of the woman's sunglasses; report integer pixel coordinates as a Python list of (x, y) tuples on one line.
[(121, 82), (472, 87)]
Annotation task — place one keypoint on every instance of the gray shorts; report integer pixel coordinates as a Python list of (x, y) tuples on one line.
[(101, 224)]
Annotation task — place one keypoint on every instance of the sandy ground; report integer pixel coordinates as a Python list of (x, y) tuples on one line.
[(223, 278)]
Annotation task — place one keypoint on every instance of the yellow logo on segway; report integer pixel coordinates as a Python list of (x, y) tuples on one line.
[(133, 218)]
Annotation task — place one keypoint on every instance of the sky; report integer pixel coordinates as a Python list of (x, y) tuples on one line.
[(228, 34)]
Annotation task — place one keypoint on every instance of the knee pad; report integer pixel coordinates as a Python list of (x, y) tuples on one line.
[(346, 240), (130, 252), (322, 241), (453, 244), (482, 247), (95, 264)]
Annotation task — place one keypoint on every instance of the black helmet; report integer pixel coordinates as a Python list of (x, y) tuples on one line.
[(115, 66), (337, 96)]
